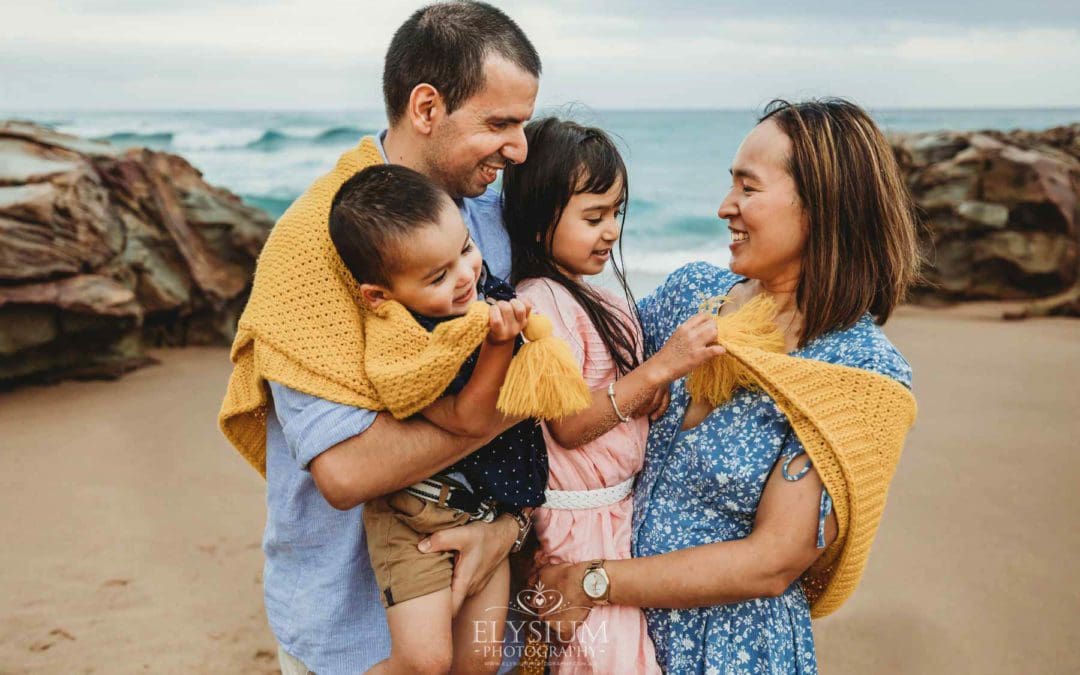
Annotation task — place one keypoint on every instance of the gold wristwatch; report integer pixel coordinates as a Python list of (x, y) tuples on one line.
[(596, 584)]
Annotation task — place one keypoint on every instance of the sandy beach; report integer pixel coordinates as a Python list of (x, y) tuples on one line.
[(131, 529)]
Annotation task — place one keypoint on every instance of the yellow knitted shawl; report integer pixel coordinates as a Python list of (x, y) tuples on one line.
[(302, 325), (305, 327), (852, 423)]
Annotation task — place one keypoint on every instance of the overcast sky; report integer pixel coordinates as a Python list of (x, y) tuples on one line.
[(321, 54)]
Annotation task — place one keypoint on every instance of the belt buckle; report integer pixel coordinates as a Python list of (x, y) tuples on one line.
[(486, 512)]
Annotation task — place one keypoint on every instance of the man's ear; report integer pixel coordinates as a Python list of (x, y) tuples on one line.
[(425, 105), (374, 294)]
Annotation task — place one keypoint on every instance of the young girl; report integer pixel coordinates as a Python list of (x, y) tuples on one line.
[(564, 211)]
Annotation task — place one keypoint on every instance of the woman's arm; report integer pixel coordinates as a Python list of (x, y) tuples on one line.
[(692, 344), (781, 547)]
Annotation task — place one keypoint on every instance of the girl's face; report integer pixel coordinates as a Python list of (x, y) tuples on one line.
[(767, 222), (587, 230)]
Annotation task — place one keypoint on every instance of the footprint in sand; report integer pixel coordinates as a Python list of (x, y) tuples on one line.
[(55, 636)]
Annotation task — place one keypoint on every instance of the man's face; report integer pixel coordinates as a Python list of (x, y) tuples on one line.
[(469, 146)]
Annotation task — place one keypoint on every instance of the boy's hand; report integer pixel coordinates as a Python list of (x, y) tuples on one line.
[(507, 320)]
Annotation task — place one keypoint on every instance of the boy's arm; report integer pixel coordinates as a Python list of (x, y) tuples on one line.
[(471, 411)]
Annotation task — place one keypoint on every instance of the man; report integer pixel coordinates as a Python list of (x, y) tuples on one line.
[(459, 82)]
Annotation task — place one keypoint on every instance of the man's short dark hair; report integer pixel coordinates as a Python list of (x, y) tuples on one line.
[(374, 211), (445, 45)]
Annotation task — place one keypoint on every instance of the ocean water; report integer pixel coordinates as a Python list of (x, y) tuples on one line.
[(678, 160)]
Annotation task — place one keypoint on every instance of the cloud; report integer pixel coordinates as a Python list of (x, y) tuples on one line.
[(315, 55)]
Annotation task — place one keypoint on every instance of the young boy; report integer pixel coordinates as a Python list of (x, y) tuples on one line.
[(403, 239)]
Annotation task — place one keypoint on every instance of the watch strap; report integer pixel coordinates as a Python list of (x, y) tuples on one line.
[(524, 527)]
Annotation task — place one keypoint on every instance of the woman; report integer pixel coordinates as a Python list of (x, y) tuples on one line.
[(729, 513)]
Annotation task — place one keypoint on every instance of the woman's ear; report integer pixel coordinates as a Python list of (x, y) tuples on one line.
[(425, 105), (374, 295)]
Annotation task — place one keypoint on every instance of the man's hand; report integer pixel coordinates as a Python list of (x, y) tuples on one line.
[(480, 547), (506, 321)]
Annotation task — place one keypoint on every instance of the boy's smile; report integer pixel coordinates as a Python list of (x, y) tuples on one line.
[(435, 269)]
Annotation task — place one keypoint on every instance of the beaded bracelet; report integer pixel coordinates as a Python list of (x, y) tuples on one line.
[(614, 405)]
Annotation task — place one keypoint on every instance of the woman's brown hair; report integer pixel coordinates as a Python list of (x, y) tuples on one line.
[(861, 252)]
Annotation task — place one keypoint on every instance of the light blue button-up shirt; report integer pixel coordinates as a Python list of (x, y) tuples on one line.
[(322, 601)]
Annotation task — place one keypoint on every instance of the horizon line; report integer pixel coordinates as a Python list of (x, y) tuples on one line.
[(726, 109)]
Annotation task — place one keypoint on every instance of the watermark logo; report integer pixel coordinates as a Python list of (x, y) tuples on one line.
[(540, 624)]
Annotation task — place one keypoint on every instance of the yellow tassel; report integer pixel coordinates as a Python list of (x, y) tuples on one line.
[(543, 381), (753, 325)]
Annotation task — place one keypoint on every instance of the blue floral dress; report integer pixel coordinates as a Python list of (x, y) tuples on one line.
[(703, 486)]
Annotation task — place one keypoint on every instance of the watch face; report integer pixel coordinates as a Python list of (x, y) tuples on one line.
[(595, 585)]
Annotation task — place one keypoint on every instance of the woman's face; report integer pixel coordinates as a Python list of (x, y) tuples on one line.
[(767, 222)]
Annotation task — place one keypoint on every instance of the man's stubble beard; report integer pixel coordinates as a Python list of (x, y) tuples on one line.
[(438, 150)]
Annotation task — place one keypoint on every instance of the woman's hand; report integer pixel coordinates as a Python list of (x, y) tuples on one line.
[(692, 343), (480, 547), (564, 583)]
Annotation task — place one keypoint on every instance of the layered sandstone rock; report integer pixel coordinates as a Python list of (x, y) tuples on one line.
[(1000, 212), (106, 252)]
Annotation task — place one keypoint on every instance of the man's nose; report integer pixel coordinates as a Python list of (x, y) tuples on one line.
[(517, 148)]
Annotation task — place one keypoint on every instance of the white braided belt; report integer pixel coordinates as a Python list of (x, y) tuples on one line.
[(588, 499)]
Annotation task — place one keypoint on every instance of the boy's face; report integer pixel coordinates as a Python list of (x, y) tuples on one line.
[(437, 269)]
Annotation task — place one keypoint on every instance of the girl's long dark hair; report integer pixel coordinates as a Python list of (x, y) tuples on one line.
[(566, 159)]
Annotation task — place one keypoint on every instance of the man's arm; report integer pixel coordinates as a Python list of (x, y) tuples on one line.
[(389, 456)]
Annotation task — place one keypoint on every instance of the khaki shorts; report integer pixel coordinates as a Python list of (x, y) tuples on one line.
[(394, 525)]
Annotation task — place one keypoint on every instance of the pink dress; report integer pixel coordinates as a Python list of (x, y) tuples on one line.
[(614, 639)]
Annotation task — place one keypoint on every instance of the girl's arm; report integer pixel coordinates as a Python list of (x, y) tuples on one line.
[(781, 547), (691, 345), (472, 410)]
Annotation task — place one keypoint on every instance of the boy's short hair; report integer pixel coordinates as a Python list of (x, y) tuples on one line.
[(374, 211)]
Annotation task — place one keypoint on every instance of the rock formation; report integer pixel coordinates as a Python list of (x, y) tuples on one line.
[(1000, 212), (105, 252)]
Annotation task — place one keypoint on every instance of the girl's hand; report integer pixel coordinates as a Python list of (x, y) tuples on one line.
[(692, 344), (507, 320)]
